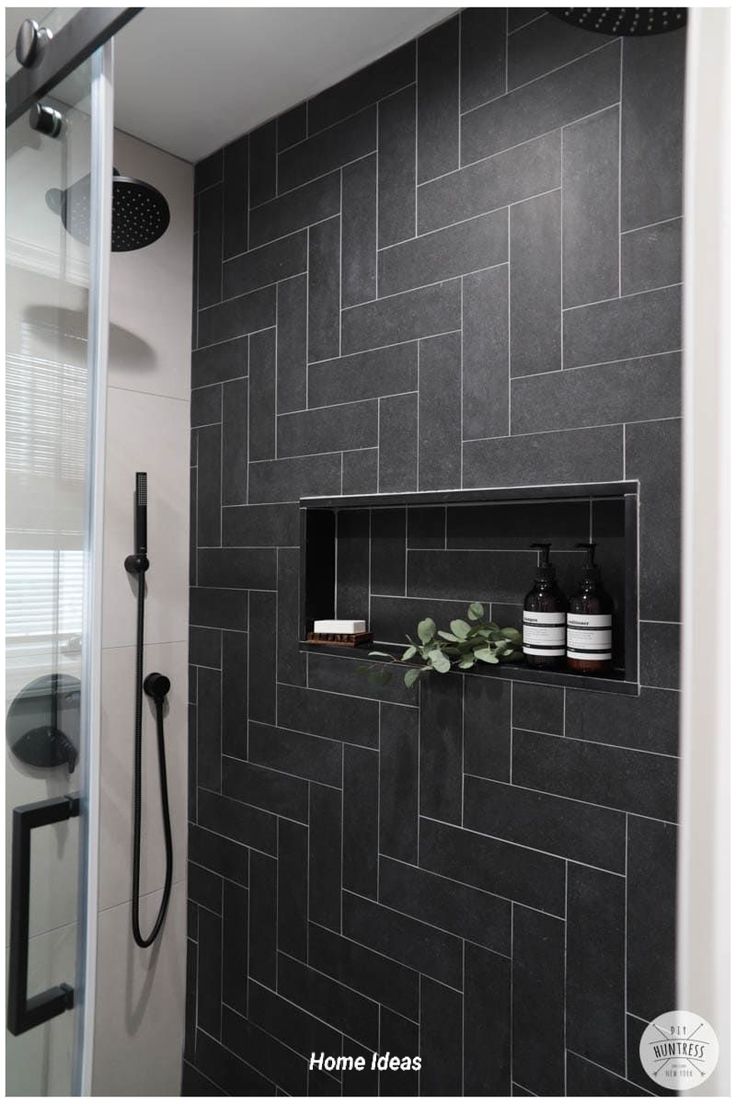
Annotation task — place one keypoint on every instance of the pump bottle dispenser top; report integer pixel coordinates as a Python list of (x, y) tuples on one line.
[(589, 621), (545, 607)]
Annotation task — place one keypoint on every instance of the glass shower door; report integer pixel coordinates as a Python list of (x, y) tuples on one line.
[(52, 291)]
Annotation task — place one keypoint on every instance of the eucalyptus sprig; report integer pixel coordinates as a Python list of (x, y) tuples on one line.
[(466, 644)]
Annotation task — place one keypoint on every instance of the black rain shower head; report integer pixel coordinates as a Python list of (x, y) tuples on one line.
[(623, 21), (140, 214)]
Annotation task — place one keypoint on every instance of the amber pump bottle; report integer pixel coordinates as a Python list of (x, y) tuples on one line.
[(545, 607), (589, 622)]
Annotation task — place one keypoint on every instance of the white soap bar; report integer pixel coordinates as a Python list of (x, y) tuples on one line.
[(339, 626)]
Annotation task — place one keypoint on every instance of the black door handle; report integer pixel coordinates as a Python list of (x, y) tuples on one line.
[(25, 1012)]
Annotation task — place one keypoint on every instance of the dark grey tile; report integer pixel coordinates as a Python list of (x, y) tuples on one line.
[(469, 913), (352, 567), (475, 244), (440, 411), (527, 170), (293, 888), (397, 430), (651, 257), (571, 456), (209, 450), (204, 887), (209, 986), (487, 728), (358, 252), (328, 429), (234, 693), (266, 789), (382, 979), (636, 325), (291, 127), (262, 657), (208, 171), (228, 360), (552, 101), (291, 316), (218, 609), (399, 1036), (421, 313), (353, 720), (570, 829), (329, 1000), (296, 753), (625, 391), (397, 167), (393, 618), (324, 290), (372, 83), (653, 457), (487, 1023), (288, 480), (242, 823), (540, 708), (638, 1078), (505, 869), (438, 66), (535, 285), (220, 855), (652, 124), (264, 525), (275, 261), (596, 966), (398, 790), (360, 821), (235, 198), (588, 1079), (360, 471), (305, 206), (344, 676), (389, 371), (651, 917), (388, 551), (328, 150), (209, 270), (357, 1082), (590, 205), (238, 316), (539, 983), (263, 163), (469, 576), (648, 722), (194, 1082), (209, 727), (247, 568), (234, 1077), (263, 905), (295, 1027), (204, 647), (482, 55), (206, 405), (441, 1040), (520, 17), (516, 525), (486, 353), (234, 440), (544, 45), (292, 664), (325, 855), (426, 527), (421, 947), (441, 749), (659, 653), (619, 778), (269, 1056)]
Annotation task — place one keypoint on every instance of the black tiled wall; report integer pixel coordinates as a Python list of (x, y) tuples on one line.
[(457, 268)]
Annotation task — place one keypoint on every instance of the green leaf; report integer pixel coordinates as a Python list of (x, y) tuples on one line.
[(439, 661), (410, 652), (448, 636), (475, 611), (514, 657), (512, 634), (460, 628), (486, 655), (411, 676), (466, 662), (426, 629)]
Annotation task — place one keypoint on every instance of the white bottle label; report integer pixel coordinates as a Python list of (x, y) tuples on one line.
[(544, 634), (589, 636)]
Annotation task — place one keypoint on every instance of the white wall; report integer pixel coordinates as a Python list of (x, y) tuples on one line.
[(139, 1015)]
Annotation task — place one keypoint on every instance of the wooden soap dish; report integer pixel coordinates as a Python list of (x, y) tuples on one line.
[(346, 640)]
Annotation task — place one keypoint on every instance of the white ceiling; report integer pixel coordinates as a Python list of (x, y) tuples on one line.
[(188, 80)]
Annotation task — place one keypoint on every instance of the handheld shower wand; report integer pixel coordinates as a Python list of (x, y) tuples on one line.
[(156, 686)]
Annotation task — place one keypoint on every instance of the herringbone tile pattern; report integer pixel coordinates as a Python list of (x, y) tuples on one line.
[(459, 267)]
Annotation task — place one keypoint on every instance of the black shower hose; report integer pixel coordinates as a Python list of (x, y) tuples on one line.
[(141, 940)]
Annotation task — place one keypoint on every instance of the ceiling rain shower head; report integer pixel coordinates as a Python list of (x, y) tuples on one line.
[(623, 21), (140, 213)]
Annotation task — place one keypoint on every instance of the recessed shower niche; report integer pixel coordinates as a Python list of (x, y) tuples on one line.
[(394, 559)]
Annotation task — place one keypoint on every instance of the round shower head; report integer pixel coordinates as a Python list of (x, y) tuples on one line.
[(140, 214), (623, 21)]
